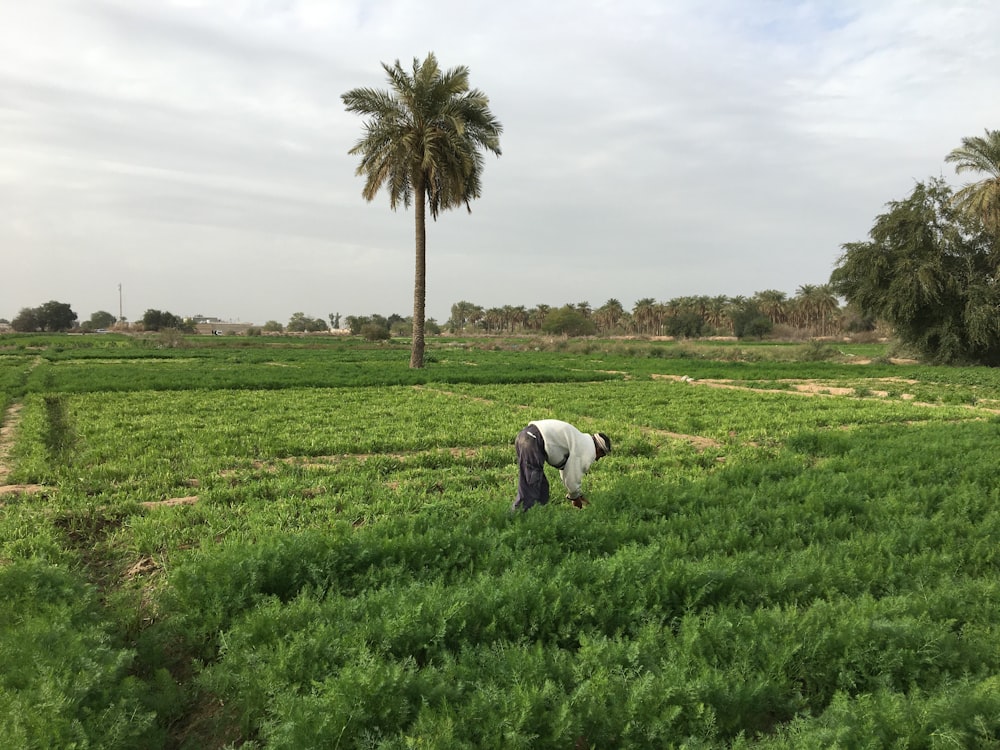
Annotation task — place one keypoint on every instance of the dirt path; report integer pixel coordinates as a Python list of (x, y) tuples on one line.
[(11, 419), (813, 387), (803, 387), (8, 430)]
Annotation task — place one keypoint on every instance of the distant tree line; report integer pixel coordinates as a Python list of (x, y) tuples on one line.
[(815, 310), (929, 272)]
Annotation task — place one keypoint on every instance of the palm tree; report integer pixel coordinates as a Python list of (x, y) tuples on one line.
[(736, 305), (493, 319), (773, 304), (461, 315), (537, 315), (805, 295), (715, 313), (981, 199), (609, 315), (519, 317), (642, 313), (422, 142), (816, 305), (827, 307)]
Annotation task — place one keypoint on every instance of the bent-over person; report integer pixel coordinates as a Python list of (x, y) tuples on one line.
[(558, 444)]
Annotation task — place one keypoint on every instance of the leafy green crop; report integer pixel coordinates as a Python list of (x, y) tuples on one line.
[(282, 544)]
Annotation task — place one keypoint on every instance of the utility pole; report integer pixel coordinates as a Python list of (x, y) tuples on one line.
[(121, 314)]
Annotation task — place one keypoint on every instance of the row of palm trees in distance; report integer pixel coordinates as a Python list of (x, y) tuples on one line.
[(814, 309)]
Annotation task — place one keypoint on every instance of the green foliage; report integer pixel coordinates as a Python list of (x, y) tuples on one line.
[(375, 332), (99, 320), (818, 351), (159, 320), (750, 322), (65, 682), (686, 325), (758, 568), (52, 316), (930, 271), (300, 322), (568, 321), (980, 200)]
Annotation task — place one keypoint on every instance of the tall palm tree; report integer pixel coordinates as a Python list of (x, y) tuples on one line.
[(805, 296), (818, 304), (609, 315), (536, 316), (520, 317), (715, 313), (981, 199), (642, 313), (461, 315), (773, 304), (422, 142), (492, 319)]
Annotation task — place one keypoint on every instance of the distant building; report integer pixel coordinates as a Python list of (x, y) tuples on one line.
[(213, 326), (222, 329)]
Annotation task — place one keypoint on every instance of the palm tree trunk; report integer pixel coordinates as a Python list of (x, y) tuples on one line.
[(419, 278)]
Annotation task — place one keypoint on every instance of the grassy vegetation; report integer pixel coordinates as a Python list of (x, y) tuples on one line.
[(291, 543)]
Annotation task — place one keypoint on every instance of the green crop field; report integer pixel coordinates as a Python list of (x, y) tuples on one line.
[(302, 543)]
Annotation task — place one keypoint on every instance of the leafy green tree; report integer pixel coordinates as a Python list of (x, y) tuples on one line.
[(422, 142), (980, 199), (569, 321), (855, 321), (375, 332), (57, 316), (52, 316), (686, 324), (26, 320), (273, 326), (98, 320), (357, 322), (300, 323), (930, 270), (748, 320), (159, 320)]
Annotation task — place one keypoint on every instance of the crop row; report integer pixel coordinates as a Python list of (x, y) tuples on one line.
[(718, 612), (756, 569)]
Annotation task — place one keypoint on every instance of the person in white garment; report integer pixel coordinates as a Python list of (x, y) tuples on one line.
[(558, 444)]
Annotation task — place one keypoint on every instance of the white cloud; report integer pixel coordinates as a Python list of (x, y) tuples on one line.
[(196, 152)]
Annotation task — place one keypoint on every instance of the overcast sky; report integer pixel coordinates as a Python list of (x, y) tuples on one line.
[(195, 151)]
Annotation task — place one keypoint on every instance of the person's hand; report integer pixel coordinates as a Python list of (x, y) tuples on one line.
[(580, 502)]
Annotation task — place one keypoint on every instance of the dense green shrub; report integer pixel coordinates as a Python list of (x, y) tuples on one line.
[(65, 682)]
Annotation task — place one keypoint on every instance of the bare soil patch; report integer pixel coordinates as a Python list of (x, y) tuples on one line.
[(22, 489), (11, 419), (8, 431), (153, 504), (698, 441), (803, 387)]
